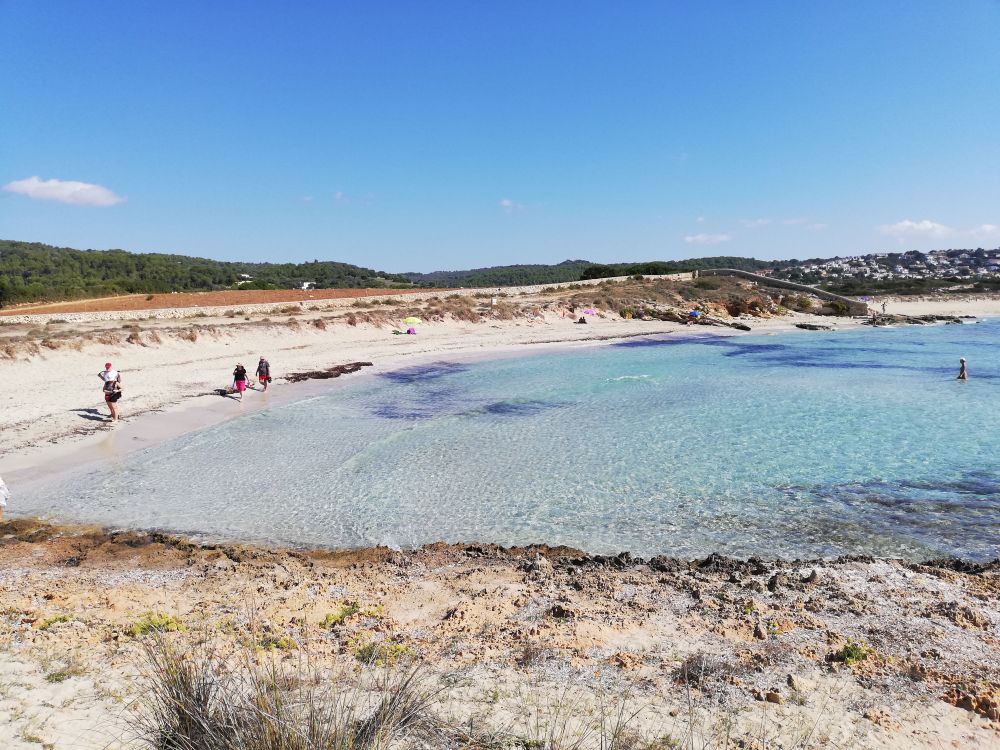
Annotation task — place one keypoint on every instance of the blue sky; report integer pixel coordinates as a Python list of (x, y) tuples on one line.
[(422, 136)]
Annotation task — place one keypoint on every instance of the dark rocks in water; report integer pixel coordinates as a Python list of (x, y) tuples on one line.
[(913, 320), (813, 327), (333, 372), (958, 566)]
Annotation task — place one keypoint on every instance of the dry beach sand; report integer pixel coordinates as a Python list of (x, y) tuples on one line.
[(853, 653)]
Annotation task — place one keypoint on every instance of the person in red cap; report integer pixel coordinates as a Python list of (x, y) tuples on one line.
[(112, 388)]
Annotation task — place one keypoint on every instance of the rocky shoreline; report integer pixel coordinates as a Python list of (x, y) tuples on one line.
[(868, 652)]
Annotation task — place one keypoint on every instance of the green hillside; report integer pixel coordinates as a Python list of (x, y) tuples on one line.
[(574, 270), (31, 271)]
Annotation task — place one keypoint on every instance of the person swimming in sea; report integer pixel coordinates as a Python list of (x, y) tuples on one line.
[(963, 373)]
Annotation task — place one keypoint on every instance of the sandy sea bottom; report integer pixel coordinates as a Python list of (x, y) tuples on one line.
[(786, 445)]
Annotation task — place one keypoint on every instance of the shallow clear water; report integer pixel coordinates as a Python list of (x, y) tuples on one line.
[(795, 445)]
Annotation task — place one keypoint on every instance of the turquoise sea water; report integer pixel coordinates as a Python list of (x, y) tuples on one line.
[(795, 445)]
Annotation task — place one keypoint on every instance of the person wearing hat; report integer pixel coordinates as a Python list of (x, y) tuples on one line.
[(264, 372), (112, 388), (963, 374), (240, 379)]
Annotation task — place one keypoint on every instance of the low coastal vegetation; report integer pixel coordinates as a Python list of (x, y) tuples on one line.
[(719, 298), (495, 648), (202, 700)]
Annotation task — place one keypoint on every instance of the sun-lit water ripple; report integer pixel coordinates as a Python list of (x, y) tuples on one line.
[(793, 446)]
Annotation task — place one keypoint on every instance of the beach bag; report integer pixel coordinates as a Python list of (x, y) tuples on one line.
[(115, 396)]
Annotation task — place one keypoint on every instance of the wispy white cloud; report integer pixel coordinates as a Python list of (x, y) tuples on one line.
[(64, 191), (755, 223), (706, 239), (818, 226), (510, 206), (700, 219), (986, 232), (339, 196), (908, 228), (794, 222), (306, 199)]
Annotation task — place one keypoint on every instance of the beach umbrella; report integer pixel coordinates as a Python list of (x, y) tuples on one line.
[(412, 319), (694, 313)]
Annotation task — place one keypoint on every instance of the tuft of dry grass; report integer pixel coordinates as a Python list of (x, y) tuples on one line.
[(202, 701)]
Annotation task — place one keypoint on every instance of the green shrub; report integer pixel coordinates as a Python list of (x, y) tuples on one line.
[(838, 306), (48, 623), (154, 622), (333, 619), (279, 643), (851, 653)]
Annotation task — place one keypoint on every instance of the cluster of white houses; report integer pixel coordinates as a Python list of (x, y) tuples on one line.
[(937, 264)]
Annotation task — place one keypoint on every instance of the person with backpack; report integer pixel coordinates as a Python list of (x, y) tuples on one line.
[(240, 379), (112, 388), (264, 372)]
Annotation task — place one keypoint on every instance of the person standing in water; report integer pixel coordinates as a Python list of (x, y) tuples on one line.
[(963, 373), (264, 372), (112, 388)]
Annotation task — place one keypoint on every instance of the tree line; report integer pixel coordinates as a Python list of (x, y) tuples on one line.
[(32, 271)]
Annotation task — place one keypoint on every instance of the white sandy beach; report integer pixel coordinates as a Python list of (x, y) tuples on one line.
[(61, 406)]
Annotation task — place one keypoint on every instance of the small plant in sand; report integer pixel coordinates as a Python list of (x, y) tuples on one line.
[(50, 621), (60, 670), (155, 622), (376, 653), (333, 619), (852, 652), (278, 643)]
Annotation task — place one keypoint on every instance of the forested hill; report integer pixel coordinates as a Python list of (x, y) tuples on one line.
[(575, 270), (31, 271)]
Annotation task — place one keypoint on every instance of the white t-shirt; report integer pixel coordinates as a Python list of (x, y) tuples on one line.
[(109, 376), (4, 494)]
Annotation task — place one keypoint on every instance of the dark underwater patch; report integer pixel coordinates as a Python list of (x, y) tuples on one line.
[(421, 373), (519, 408)]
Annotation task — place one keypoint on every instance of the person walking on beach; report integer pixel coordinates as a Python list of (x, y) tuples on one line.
[(264, 372), (240, 379), (112, 388), (4, 497), (963, 373)]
